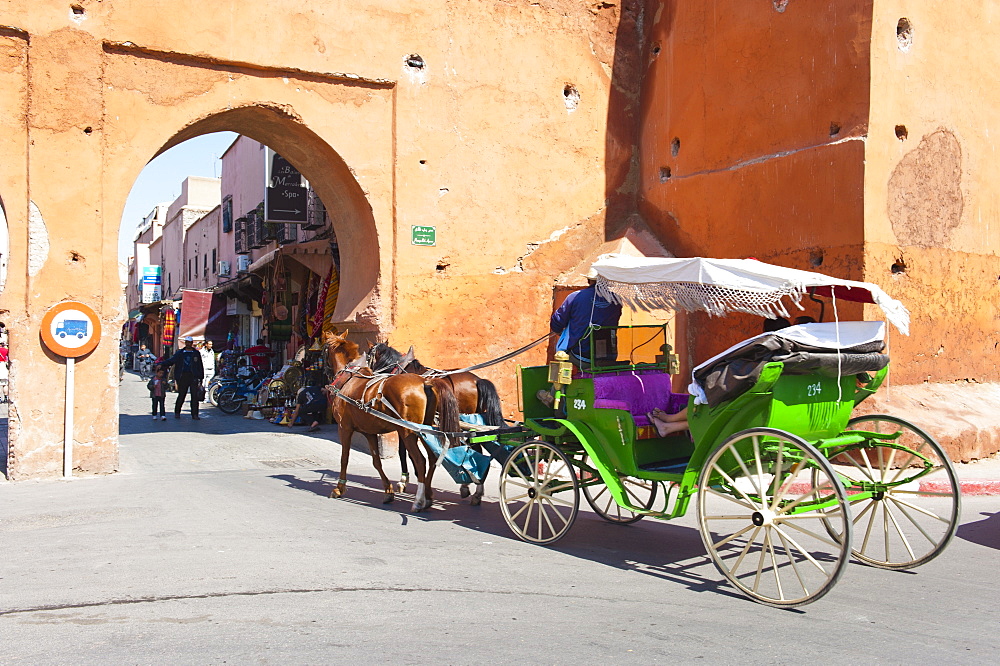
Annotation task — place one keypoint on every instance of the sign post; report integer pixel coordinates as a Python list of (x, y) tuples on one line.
[(70, 329), (68, 419), (151, 289)]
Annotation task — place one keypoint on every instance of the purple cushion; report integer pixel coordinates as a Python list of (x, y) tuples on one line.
[(604, 403), (640, 394)]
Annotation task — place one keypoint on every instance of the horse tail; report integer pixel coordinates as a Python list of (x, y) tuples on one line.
[(488, 402), (432, 402), (447, 405)]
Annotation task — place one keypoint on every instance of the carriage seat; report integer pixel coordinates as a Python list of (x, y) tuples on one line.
[(638, 394)]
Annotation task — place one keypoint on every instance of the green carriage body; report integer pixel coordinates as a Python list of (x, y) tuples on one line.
[(814, 407), (781, 472)]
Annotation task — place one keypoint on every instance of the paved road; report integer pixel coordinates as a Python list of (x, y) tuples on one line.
[(204, 550)]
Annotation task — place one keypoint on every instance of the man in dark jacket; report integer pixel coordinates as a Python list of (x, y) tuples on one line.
[(188, 374)]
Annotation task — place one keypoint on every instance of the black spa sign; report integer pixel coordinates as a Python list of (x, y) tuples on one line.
[(285, 195)]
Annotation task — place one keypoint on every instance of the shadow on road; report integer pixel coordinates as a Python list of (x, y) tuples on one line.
[(985, 532), (667, 551), (212, 422)]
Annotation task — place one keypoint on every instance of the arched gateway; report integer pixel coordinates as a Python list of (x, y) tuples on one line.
[(80, 171), (491, 122)]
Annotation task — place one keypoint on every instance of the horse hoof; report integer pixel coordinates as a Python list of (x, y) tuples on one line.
[(463, 491), (389, 497), (338, 490), (476, 500), (401, 487)]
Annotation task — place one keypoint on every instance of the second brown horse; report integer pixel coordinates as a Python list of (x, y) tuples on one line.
[(475, 395), (404, 397)]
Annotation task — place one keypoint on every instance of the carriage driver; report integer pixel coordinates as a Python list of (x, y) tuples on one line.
[(581, 310)]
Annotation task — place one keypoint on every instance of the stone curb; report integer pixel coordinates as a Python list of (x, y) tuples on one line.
[(970, 486)]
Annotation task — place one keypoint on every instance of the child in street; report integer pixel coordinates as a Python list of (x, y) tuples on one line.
[(158, 392)]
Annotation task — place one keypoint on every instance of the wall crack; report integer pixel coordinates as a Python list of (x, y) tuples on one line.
[(765, 158)]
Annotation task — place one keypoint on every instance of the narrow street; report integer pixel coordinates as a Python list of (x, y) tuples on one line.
[(217, 542)]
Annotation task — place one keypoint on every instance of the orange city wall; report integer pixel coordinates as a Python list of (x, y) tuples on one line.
[(932, 185), (753, 121), (847, 136), (851, 137), (500, 141)]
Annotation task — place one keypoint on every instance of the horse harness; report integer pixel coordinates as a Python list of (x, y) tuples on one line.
[(376, 380)]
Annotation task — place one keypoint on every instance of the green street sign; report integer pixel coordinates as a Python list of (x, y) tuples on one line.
[(423, 235)]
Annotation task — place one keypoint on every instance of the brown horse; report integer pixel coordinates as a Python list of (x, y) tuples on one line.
[(405, 397), (475, 395)]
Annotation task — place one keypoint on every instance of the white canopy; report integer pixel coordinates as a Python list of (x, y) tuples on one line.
[(718, 286)]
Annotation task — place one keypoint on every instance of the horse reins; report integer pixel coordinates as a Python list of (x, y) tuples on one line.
[(432, 373), (369, 408)]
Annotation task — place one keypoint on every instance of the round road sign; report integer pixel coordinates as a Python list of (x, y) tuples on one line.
[(71, 329)]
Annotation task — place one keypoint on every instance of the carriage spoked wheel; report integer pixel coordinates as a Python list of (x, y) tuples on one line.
[(640, 493), (539, 493), (912, 501), (764, 499)]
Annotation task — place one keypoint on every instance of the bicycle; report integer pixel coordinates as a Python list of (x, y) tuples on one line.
[(230, 396)]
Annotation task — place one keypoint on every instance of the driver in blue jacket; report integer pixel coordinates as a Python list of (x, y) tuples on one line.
[(573, 321), (581, 310)]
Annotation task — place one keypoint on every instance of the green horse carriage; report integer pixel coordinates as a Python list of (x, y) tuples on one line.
[(788, 486)]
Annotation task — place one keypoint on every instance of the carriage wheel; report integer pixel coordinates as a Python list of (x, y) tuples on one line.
[(640, 492), (764, 498), (914, 511), (539, 494)]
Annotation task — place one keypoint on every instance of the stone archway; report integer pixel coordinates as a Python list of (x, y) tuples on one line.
[(83, 161), (325, 169), (403, 119)]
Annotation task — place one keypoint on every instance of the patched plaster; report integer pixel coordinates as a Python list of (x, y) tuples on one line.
[(38, 240)]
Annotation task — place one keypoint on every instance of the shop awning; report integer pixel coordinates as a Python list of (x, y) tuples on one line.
[(202, 314), (314, 255), (264, 261), (245, 288), (155, 306)]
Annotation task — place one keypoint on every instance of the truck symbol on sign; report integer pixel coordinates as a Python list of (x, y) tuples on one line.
[(77, 327)]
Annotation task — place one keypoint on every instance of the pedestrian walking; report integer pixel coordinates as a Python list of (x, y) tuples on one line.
[(188, 375), (158, 392), (146, 361), (208, 360)]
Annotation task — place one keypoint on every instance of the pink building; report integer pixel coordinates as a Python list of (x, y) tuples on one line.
[(198, 196), (201, 251), (150, 229), (213, 238), (256, 258)]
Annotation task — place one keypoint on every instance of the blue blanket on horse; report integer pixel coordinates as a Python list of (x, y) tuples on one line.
[(464, 464)]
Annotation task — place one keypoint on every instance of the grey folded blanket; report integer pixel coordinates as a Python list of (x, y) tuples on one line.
[(738, 371)]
